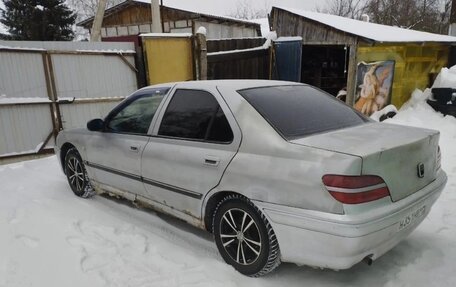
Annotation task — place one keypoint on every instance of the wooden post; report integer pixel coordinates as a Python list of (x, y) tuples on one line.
[(351, 78), (452, 30), (156, 17), (95, 35), (52, 95), (271, 54), (195, 55), (202, 55), (162, 22)]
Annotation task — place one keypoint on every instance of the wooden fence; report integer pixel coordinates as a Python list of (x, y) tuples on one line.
[(238, 59), (234, 44)]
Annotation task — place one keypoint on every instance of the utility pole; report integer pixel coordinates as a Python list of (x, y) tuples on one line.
[(452, 31), (95, 35), (156, 17)]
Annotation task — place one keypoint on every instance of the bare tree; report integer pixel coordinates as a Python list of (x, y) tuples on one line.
[(86, 9), (445, 16), (245, 10), (425, 15), (345, 8)]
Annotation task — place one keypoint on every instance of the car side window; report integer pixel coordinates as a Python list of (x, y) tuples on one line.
[(195, 115), (135, 117)]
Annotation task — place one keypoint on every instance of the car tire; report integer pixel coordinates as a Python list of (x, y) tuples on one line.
[(244, 237), (77, 175)]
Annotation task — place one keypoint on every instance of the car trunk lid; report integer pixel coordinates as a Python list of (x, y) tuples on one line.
[(405, 157)]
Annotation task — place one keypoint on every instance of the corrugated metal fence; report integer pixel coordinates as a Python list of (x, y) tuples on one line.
[(48, 86)]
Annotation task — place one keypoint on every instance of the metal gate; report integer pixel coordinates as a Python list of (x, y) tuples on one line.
[(49, 86), (287, 59)]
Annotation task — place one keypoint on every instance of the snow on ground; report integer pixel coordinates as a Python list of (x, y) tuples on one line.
[(49, 237)]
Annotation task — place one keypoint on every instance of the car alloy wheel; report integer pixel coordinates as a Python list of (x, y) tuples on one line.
[(240, 236), (244, 237), (77, 175)]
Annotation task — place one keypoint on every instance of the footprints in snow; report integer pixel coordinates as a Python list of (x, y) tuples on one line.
[(126, 256), (13, 217), (28, 241)]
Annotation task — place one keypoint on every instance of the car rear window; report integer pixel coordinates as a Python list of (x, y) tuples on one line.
[(297, 111)]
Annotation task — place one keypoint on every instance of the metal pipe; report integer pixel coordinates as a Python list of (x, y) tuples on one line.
[(368, 260)]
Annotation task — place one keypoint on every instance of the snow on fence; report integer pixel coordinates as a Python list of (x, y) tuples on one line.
[(49, 86)]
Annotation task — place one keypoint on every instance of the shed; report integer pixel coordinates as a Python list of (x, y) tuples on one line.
[(377, 64), (133, 17)]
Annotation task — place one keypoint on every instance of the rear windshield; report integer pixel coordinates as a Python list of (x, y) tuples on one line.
[(298, 111)]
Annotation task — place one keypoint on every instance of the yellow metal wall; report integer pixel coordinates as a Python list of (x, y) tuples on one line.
[(168, 59), (413, 65)]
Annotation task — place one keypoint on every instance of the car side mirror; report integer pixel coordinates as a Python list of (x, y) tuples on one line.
[(95, 125)]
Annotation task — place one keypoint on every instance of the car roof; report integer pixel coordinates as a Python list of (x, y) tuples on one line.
[(230, 84)]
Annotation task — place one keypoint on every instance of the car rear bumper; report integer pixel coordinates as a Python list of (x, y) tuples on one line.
[(340, 241)]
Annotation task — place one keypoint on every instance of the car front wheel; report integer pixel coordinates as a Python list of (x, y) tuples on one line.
[(244, 237), (77, 175)]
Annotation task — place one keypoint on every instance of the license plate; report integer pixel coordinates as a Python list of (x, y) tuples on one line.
[(412, 217)]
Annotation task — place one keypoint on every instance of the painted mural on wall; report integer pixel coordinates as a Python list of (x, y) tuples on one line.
[(374, 82)]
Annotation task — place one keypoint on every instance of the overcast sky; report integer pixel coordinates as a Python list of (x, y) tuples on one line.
[(227, 7)]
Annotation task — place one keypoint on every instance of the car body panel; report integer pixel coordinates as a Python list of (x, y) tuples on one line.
[(282, 178), (392, 152), (340, 241), (198, 164), (115, 159), (76, 137)]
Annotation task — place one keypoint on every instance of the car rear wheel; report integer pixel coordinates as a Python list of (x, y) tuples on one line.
[(244, 237), (77, 175)]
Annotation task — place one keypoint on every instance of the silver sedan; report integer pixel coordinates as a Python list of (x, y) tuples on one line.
[(277, 171)]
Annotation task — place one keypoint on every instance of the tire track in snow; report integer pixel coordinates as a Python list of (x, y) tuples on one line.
[(126, 256)]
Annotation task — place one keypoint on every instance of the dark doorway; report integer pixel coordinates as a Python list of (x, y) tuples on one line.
[(325, 67)]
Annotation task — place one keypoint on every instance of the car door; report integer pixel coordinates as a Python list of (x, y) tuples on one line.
[(193, 141), (114, 154)]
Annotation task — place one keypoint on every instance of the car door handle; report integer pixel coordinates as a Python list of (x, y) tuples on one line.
[(211, 160), (134, 148)]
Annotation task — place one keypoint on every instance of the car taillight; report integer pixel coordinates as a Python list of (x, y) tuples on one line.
[(355, 189)]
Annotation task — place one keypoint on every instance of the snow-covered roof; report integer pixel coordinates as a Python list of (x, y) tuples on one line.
[(199, 11), (101, 47), (372, 31), (289, 39), (167, 35), (264, 22)]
